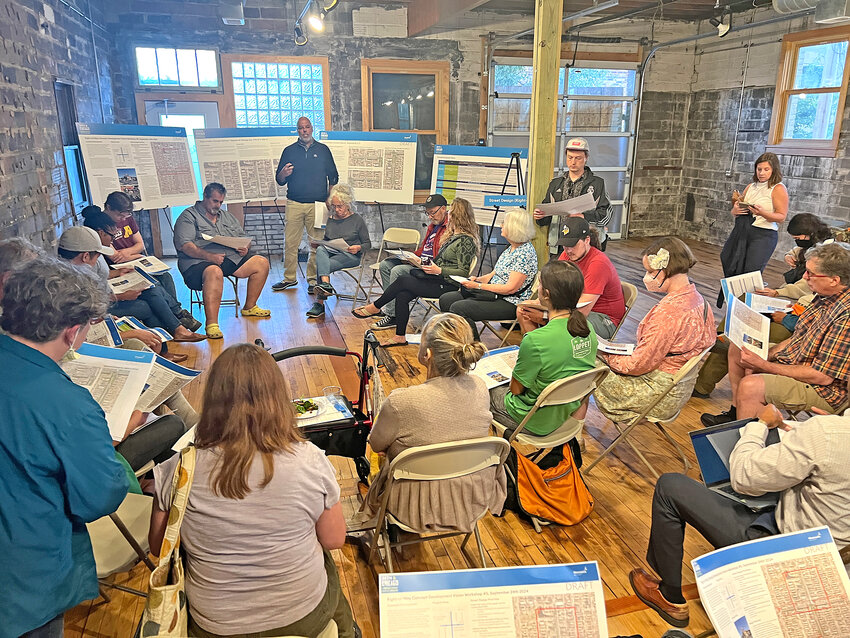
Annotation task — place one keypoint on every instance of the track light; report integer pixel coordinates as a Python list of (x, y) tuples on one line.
[(430, 94), (314, 12), (316, 22), (721, 26), (300, 34)]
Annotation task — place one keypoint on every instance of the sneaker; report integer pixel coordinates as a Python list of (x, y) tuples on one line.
[(709, 420), (311, 289), (284, 285), (327, 288), (384, 323), (700, 395), (190, 323), (317, 310)]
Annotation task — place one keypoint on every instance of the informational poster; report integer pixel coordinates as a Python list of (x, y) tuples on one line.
[(525, 602), (747, 328), (471, 172), (784, 586), (379, 166), (151, 164)]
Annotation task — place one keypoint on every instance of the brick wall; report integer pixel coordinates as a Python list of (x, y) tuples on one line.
[(41, 42)]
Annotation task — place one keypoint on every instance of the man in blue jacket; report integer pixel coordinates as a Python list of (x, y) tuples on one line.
[(58, 469)]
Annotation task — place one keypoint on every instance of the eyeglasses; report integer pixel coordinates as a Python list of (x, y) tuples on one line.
[(810, 274), (338, 206), (434, 212)]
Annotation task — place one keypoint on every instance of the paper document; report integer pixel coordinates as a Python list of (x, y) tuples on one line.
[(186, 439), (231, 242), (414, 339), (115, 379), (533, 600), (320, 215), (767, 305), (406, 255), (136, 280), (166, 378), (459, 279), (105, 333), (614, 348), (784, 586), (131, 323), (340, 245), (497, 366), (149, 265), (570, 207), (740, 284), (747, 328)]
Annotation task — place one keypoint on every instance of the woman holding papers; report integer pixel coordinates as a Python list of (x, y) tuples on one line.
[(263, 511), (416, 416), (679, 327), (344, 227), (458, 250), (494, 296), (565, 346)]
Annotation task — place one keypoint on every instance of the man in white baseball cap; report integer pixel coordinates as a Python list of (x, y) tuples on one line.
[(82, 245), (578, 180)]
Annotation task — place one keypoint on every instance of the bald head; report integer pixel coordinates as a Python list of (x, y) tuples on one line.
[(305, 130)]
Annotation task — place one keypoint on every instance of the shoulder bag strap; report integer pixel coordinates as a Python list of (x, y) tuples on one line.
[(181, 485)]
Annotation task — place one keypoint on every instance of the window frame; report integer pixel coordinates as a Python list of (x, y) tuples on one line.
[(175, 88), (791, 45), (228, 114), (440, 69)]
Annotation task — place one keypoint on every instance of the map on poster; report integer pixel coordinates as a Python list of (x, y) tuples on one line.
[(531, 601), (151, 164), (473, 172), (380, 166)]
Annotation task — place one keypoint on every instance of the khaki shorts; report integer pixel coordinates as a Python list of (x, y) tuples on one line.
[(788, 393)]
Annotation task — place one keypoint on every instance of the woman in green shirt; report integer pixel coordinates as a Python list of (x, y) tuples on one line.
[(563, 347)]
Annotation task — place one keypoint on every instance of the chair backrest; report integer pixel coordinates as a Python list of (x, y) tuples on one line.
[(473, 264), (630, 293), (449, 460), (691, 366), (402, 236), (685, 372)]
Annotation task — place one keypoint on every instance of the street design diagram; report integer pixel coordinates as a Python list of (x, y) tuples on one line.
[(173, 167), (556, 616)]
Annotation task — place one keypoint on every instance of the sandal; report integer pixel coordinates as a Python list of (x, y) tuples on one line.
[(214, 332), (256, 311), (393, 344), (360, 314)]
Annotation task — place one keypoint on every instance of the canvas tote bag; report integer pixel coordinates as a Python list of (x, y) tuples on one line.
[(166, 614)]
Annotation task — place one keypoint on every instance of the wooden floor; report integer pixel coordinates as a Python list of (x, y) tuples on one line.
[(615, 534)]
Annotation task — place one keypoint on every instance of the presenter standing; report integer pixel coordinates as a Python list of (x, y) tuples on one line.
[(307, 167)]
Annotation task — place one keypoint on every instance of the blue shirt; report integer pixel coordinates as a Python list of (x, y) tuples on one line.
[(58, 471), (522, 259)]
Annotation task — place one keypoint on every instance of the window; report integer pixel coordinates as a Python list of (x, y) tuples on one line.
[(184, 68), (810, 92), (408, 95), (67, 112), (270, 91)]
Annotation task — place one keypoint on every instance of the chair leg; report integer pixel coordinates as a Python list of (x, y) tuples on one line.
[(235, 283), (388, 550), (101, 588), (673, 442), (480, 546), (622, 437)]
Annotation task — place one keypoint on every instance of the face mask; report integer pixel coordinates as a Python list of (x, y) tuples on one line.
[(651, 282), (804, 243), (71, 354)]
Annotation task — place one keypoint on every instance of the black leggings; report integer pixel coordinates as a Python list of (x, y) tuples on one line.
[(407, 288), (473, 310)]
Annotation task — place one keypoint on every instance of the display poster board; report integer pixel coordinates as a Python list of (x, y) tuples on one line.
[(534, 600), (151, 164), (471, 172), (379, 166)]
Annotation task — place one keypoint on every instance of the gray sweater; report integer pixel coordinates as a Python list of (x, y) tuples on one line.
[(352, 229)]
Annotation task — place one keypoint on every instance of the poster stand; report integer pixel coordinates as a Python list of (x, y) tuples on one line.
[(513, 165)]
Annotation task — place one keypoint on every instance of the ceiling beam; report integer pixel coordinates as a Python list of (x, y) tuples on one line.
[(423, 15)]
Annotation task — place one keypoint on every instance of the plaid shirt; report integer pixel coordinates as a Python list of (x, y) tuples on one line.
[(821, 339)]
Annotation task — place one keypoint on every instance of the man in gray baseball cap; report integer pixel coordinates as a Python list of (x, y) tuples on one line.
[(81, 239)]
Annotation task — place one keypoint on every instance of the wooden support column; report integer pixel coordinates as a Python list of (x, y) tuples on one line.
[(548, 15)]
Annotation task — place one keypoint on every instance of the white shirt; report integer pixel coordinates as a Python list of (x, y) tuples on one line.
[(760, 194)]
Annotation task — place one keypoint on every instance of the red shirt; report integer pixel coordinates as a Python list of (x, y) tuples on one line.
[(601, 278), (431, 243)]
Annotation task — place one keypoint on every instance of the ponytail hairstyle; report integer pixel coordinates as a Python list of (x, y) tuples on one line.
[(453, 348), (811, 225), (564, 283), (96, 219)]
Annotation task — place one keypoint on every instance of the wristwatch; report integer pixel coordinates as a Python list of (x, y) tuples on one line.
[(479, 286)]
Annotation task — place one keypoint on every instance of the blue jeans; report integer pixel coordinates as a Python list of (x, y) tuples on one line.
[(52, 629), (328, 261), (151, 308)]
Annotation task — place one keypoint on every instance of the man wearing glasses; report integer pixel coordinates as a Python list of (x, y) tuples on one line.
[(810, 368), (436, 207)]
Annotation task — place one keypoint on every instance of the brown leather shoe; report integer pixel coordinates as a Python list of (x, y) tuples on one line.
[(192, 337), (645, 586), (175, 357)]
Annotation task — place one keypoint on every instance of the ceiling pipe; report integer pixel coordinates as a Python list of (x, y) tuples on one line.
[(573, 16)]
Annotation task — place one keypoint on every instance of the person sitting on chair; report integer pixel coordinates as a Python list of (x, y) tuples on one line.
[(204, 264), (808, 467), (391, 268), (263, 511), (494, 296), (565, 346), (812, 366), (432, 279), (416, 416), (676, 329), (602, 301), (344, 223)]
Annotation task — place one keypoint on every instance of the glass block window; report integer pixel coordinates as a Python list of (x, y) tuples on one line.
[(277, 94), (166, 67)]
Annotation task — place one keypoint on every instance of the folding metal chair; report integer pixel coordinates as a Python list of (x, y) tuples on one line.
[(514, 321), (630, 294), (432, 304), (398, 237), (196, 297)]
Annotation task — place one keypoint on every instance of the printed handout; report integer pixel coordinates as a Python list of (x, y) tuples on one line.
[(614, 348), (570, 207), (105, 333), (783, 586), (132, 281), (747, 328), (149, 265), (459, 279), (740, 284), (231, 242), (767, 305), (497, 366), (131, 323), (320, 215), (166, 378), (406, 255), (339, 245)]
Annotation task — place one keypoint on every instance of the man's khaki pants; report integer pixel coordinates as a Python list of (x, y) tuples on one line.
[(299, 217)]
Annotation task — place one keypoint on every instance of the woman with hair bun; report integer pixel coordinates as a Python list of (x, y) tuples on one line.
[(419, 415)]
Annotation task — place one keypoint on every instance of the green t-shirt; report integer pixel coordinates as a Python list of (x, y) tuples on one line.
[(548, 354)]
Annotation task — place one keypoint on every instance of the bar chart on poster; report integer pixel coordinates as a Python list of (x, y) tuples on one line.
[(151, 164), (379, 166)]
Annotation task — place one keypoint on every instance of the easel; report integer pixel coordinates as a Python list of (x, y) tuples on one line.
[(520, 184)]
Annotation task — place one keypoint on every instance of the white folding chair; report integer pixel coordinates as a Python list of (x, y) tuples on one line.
[(685, 374), (630, 294), (397, 237), (514, 321), (196, 297), (432, 304), (437, 462), (120, 541)]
